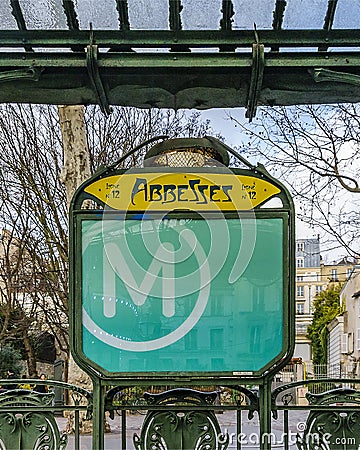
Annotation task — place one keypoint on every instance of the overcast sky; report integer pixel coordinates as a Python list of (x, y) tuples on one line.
[(221, 123)]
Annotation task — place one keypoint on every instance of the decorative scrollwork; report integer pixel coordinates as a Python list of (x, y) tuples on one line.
[(37, 430), (181, 429), (335, 428)]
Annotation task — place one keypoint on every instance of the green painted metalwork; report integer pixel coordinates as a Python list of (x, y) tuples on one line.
[(31, 74), (178, 428), (335, 428), (257, 74), (27, 417), (94, 75), (228, 12), (334, 417), (30, 430), (122, 71), (333, 420), (122, 8), (326, 75), (71, 17), (179, 79), (229, 68), (175, 8), (107, 343), (335, 412), (158, 366)]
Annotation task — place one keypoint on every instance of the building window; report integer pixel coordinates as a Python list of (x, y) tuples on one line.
[(217, 306), (300, 308), (216, 338), (334, 275), (299, 278), (318, 288), (216, 364), (300, 246), (191, 340), (300, 291), (299, 262), (344, 343)]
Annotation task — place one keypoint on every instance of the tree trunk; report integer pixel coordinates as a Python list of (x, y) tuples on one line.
[(76, 169), (30, 357)]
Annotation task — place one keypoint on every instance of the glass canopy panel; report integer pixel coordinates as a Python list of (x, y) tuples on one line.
[(101, 14), (7, 20), (347, 14), (248, 13), (195, 14), (305, 14), (43, 14), (145, 15), (201, 15)]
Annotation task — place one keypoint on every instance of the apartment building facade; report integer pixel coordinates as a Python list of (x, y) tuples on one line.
[(344, 330), (312, 277)]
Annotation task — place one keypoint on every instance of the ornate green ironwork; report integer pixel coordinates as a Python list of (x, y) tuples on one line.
[(178, 428), (31, 74), (129, 75), (325, 75), (257, 73), (251, 398), (334, 428), (179, 79), (33, 430)]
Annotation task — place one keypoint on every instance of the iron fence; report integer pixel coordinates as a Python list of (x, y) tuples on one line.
[(30, 417), (213, 418)]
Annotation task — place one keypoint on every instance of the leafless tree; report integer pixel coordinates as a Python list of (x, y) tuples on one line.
[(34, 214), (315, 150), (34, 209), (127, 127)]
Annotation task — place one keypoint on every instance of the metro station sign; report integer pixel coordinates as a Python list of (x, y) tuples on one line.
[(181, 273), (198, 191)]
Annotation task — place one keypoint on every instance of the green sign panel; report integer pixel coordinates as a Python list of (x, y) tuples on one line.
[(180, 291), (173, 295)]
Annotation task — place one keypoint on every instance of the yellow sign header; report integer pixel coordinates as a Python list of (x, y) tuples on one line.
[(193, 191)]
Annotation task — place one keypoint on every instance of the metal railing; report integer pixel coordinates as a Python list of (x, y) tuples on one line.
[(228, 417), (29, 417)]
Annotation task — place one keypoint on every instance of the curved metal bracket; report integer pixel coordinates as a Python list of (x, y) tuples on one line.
[(94, 75), (109, 168), (257, 73), (31, 74), (251, 397), (319, 74)]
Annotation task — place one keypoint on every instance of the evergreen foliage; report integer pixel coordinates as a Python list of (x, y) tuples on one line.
[(10, 359), (326, 307)]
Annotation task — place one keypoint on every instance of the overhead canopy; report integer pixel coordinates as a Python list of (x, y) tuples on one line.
[(180, 53)]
